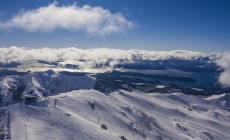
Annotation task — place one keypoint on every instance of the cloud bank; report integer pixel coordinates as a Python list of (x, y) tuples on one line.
[(93, 20), (90, 57), (224, 62)]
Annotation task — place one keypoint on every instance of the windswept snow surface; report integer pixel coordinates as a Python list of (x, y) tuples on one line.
[(78, 115), (222, 100)]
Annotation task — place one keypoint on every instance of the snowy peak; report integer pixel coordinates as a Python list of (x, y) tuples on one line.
[(50, 83), (40, 85), (51, 73)]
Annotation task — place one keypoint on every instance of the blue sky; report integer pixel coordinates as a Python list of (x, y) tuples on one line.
[(198, 25)]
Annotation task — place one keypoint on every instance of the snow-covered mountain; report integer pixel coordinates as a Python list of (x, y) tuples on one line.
[(67, 106), (40, 85), (50, 83), (92, 115)]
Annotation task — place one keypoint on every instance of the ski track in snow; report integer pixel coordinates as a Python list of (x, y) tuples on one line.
[(24, 121)]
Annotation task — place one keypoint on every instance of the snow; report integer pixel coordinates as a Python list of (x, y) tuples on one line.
[(130, 114), (48, 83), (160, 86), (222, 100), (7, 88), (68, 108), (197, 89)]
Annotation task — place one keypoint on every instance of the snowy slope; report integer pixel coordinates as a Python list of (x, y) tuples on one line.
[(50, 82), (42, 84), (78, 115), (222, 100), (8, 88)]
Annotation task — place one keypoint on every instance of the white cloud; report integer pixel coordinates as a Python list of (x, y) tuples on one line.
[(91, 57), (93, 20), (224, 78), (224, 62)]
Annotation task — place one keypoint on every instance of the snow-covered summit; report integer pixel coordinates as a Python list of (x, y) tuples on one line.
[(50, 83), (41, 84)]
